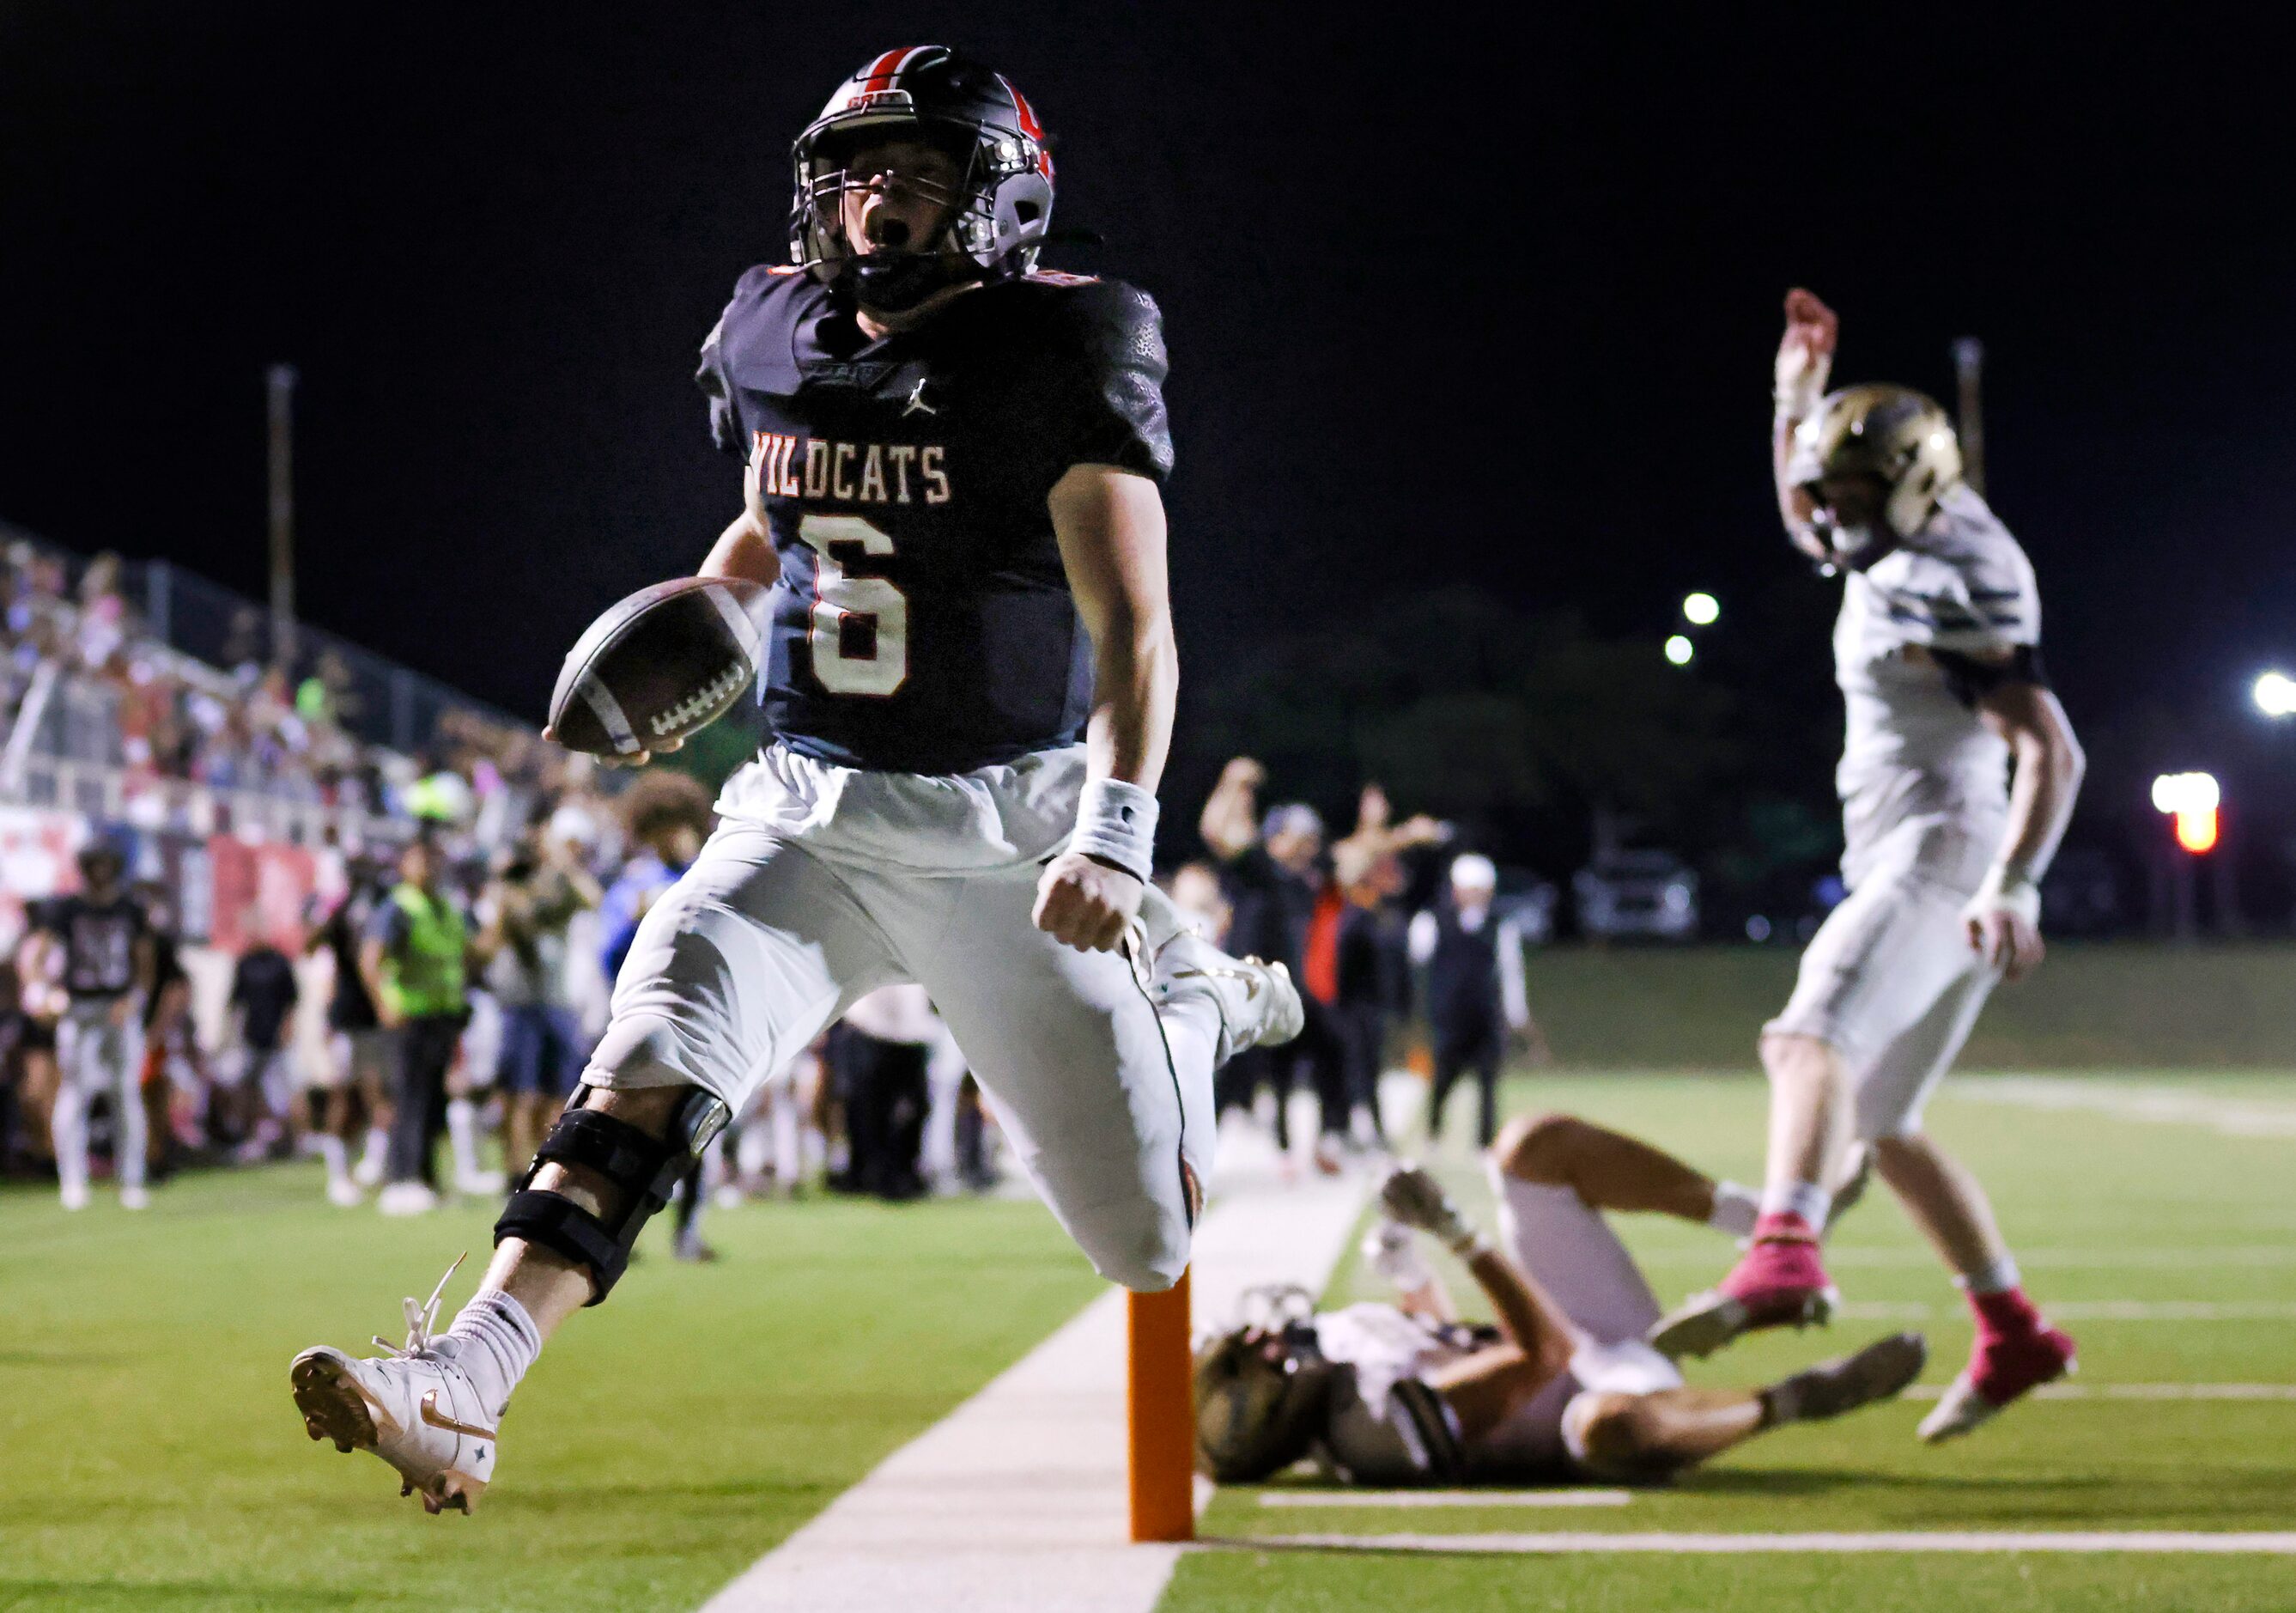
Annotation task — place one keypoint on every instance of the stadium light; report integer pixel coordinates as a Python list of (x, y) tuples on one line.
[(1679, 650), (1704, 610), (2192, 800), (2275, 693)]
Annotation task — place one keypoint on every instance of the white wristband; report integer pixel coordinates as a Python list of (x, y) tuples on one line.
[(1116, 822), (2007, 892), (1799, 383)]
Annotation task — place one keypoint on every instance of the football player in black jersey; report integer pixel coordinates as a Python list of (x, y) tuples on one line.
[(105, 949), (952, 466)]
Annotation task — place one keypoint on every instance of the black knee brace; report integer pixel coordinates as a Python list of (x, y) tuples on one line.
[(642, 1166)]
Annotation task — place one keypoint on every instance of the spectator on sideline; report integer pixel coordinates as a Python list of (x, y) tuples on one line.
[(1272, 871), (174, 1087), (264, 993), (879, 1055), (412, 959), (362, 1054), (1474, 989), (667, 817), (524, 920)]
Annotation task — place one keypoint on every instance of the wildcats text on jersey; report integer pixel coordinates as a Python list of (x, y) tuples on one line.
[(853, 472)]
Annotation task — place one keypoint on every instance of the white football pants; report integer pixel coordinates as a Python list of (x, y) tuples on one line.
[(93, 1056), (824, 883), (1889, 981)]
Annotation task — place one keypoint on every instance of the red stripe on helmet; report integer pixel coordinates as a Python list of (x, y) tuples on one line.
[(1028, 124), (879, 75)]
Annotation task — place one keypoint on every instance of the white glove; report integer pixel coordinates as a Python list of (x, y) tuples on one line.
[(1391, 1249), (1416, 1199)]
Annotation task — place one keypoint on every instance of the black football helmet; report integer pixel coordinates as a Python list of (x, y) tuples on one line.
[(1003, 202)]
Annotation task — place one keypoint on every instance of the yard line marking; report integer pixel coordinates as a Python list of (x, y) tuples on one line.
[(2157, 1105), (2097, 1259), (2140, 1391), (2167, 1540), (2090, 1310), (1445, 1498), (1017, 1498)]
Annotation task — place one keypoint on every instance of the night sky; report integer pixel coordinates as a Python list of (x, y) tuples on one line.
[(1447, 306)]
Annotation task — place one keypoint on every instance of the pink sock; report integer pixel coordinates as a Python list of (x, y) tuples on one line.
[(2005, 1313)]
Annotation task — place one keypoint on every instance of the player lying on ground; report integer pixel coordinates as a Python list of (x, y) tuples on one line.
[(952, 478), (1563, 1388), (1937, 653)]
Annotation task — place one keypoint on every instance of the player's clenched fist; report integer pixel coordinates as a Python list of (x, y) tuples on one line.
[(1805, 353), (1085, 904)]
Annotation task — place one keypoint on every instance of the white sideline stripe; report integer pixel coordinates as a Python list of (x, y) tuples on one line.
[(1017, 1499), (1317, 1499), (2089, 1310), (2180, 1541), (2160, 1105), (2140, 1391)]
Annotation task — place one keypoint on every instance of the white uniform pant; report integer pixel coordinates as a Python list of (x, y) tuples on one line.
[(823, 884), (1889, 981), (94, 1055), (1573, 1255)]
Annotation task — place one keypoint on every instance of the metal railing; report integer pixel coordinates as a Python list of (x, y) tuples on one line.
[(103, 793)]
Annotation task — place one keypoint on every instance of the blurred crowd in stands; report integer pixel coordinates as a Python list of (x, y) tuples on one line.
[(424, 957)]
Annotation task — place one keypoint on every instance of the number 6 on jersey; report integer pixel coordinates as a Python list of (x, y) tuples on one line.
[(859, 638)]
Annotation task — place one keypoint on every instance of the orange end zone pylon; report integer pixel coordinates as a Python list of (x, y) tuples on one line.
[(1160, 1415)]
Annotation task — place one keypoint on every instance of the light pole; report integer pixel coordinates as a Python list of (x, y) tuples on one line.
[(279, 386), (1969, 371)]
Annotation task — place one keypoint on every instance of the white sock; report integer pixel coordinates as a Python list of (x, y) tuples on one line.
[(68, 1127), (378, 1144), (1998, 1277), (495, 1341), (463, 1134), (1735, 1206), (336, 1157), (130, 1137), (1805, 1199)]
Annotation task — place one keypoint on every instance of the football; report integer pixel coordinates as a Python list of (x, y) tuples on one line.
[(666, 661)]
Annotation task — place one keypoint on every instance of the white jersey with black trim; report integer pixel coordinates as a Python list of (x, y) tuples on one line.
[(1913, 746)]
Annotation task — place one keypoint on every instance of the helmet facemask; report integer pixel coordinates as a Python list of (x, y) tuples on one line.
[(1892, 438), (990, 217)]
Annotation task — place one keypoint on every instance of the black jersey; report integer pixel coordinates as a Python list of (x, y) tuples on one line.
[(923, 621), (99, 940)]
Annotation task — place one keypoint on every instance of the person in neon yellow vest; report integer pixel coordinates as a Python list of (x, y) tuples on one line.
[(413, 958)]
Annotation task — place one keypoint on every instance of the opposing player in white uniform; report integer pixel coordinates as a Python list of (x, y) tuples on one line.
[(1563, 1388), (952, 470), (1957, 776)]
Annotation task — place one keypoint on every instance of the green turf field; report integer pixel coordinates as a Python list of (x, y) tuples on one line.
[(150, 1457), (2114, 1216)]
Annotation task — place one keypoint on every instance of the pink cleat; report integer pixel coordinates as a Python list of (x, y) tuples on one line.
[(2005, 1364), (1779, 1281)]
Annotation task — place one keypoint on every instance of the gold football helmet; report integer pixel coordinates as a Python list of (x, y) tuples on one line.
[(1893, 433), (1261, 1389)]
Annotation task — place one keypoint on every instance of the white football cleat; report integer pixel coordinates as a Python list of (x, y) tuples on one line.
[(74, 1194), (406, 1199), (416, 1408), (135, 1199), (344, 1193), (480, 1184), (1259, 1005)]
